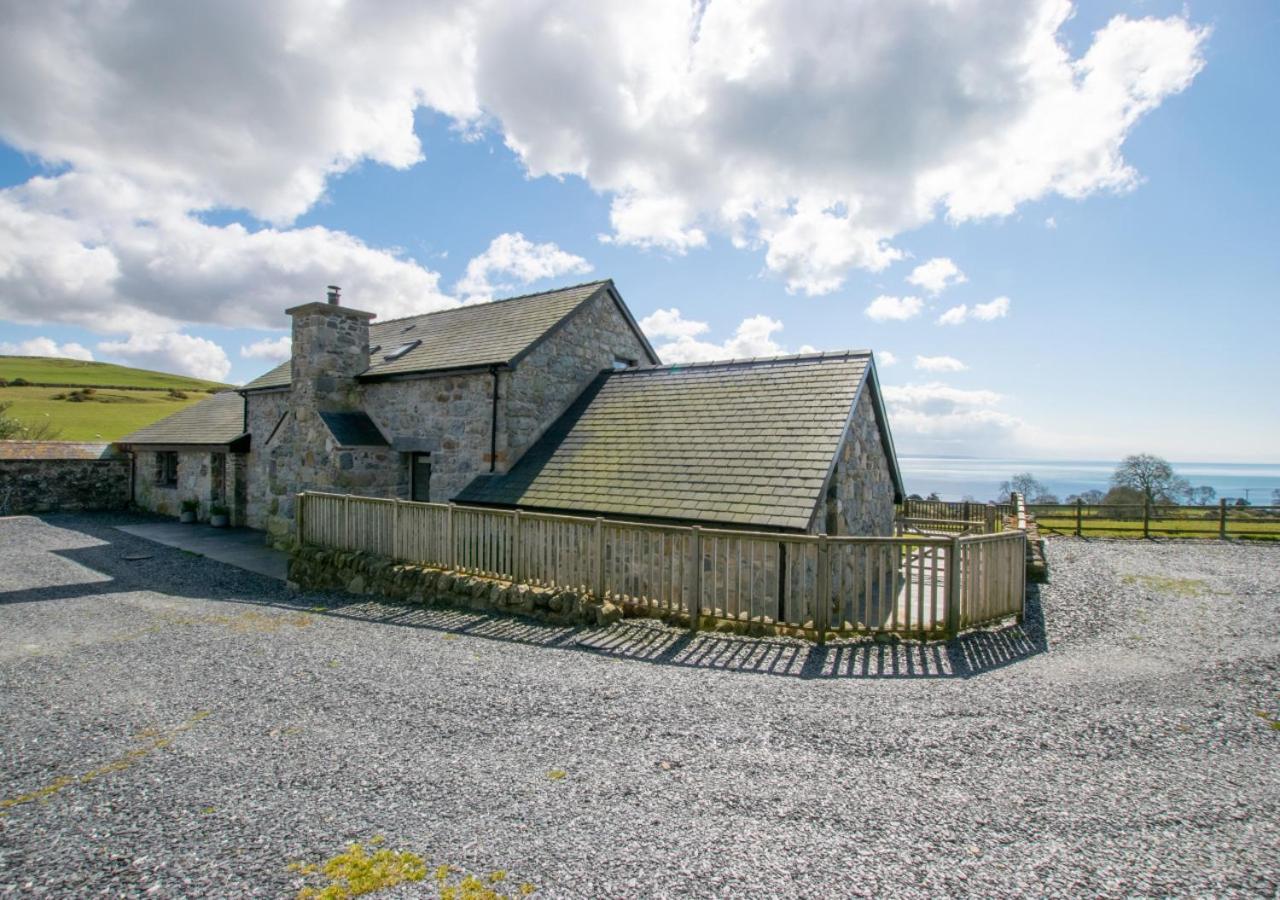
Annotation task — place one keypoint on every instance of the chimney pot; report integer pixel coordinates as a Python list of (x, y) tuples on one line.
[(334, 292)]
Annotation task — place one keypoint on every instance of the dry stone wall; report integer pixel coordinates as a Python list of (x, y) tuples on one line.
[(49, 485)]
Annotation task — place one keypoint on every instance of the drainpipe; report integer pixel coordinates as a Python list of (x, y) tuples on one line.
[(493, 423)]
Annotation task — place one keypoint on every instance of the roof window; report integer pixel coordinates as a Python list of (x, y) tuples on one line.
[(401, 351)]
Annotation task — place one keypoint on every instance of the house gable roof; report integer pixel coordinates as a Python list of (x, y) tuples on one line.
[(477, 335), (213, 422), (742, 442)]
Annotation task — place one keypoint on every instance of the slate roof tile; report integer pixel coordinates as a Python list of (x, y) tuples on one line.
[(747, 442), (218, 420)]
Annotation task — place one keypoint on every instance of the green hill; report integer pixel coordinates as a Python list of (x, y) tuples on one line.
[(42, 370), (92, 401)]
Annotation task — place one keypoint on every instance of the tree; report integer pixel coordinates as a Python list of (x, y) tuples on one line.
[(1031, 488), (12, 429), (1124, 503), (1152, 477), (933, 496), (1201, 496), (1092, 497)]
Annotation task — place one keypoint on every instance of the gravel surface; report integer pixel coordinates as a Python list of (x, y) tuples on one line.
[(172, 726)]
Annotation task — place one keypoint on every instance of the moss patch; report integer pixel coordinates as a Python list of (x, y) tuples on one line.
[(1160, 584), (358, 870)]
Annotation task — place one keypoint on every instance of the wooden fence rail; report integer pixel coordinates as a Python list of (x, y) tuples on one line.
[(914, 584), (1147, 520)]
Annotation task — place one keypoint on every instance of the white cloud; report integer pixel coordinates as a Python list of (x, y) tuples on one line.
[(271, 349), (886, 359), (938, 418), (996, 309), (939, 364), (885, 308), (936, 275), (97, 252), (753, 337), (520, 262), (670, 323), (983, 312), (43, 346), (171, 352), (817, 138), (1051, 223)]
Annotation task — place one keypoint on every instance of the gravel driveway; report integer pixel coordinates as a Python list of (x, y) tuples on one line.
[(175, 726)]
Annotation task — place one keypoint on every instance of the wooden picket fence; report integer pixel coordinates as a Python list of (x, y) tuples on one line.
[(917, 584)]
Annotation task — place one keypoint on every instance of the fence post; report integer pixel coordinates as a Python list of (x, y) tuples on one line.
[(953, 587), (695, 596), (1222, 518), (1146, 517), (598, 535), (395, 528), (1079, 514), (517, 551), (448, 537), (298, 515), (346, 522), (822, 610)]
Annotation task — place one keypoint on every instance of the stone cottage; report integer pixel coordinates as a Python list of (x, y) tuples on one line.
[(549, 401)]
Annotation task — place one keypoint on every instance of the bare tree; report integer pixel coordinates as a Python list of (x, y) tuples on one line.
[(1201, 496), (1152, 477), (1032, 489)]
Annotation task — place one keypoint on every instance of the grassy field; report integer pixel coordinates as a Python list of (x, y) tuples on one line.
[(1250, 524), (40, 370), (122, 399)]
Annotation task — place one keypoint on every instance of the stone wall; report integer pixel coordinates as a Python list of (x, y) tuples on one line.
[(267, 489), (448, 416), (204, 476), (863, 481), (49, 485), (551, 377)]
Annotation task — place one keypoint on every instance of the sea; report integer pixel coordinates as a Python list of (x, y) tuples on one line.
[(959, 478)]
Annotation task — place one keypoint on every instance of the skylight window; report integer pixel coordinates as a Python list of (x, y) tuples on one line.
[(401, 351), (406, 329)]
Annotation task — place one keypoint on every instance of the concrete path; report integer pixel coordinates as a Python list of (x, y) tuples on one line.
[(241, 547)]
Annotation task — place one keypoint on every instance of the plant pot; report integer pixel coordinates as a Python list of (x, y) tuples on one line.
[(220, 521), (186, 518)]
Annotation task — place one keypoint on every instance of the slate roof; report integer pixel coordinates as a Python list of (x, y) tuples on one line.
[(353, 429), (216, 421), (57, 450), (479, 334), (743, 442)]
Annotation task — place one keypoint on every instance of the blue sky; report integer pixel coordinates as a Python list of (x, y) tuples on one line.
[(1141, 299)]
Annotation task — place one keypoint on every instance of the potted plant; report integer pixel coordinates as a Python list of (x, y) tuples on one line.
[(189, 510), (219, 516)]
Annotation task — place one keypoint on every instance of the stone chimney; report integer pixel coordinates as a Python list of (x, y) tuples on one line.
[(330, 348)]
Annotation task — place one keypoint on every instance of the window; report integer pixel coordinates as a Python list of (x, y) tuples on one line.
[(401, 350), (167, 469), (420, 477), (620, 363)]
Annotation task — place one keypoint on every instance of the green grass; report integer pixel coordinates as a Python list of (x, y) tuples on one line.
[(108, 416), (44, 370), (1239, 525)]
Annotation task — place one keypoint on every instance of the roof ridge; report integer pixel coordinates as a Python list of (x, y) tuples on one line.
[(436, 312), (748, 361)]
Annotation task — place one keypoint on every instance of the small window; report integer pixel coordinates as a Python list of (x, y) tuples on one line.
[(620, 363), (401, 350), (167, 469), (374, 349), (408, 328)]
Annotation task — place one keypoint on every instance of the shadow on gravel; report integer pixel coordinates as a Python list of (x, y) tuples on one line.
[(180, 574)]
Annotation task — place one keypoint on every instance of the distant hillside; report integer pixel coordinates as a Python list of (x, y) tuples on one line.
[(43, 370), (92, 401)]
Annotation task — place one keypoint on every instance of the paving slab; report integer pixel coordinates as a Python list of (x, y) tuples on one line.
[(242, 547)]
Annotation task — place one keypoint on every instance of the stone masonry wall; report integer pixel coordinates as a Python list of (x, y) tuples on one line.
[(448, 416), (268, 486), (48, 485), (863, 480), (550, 378)]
